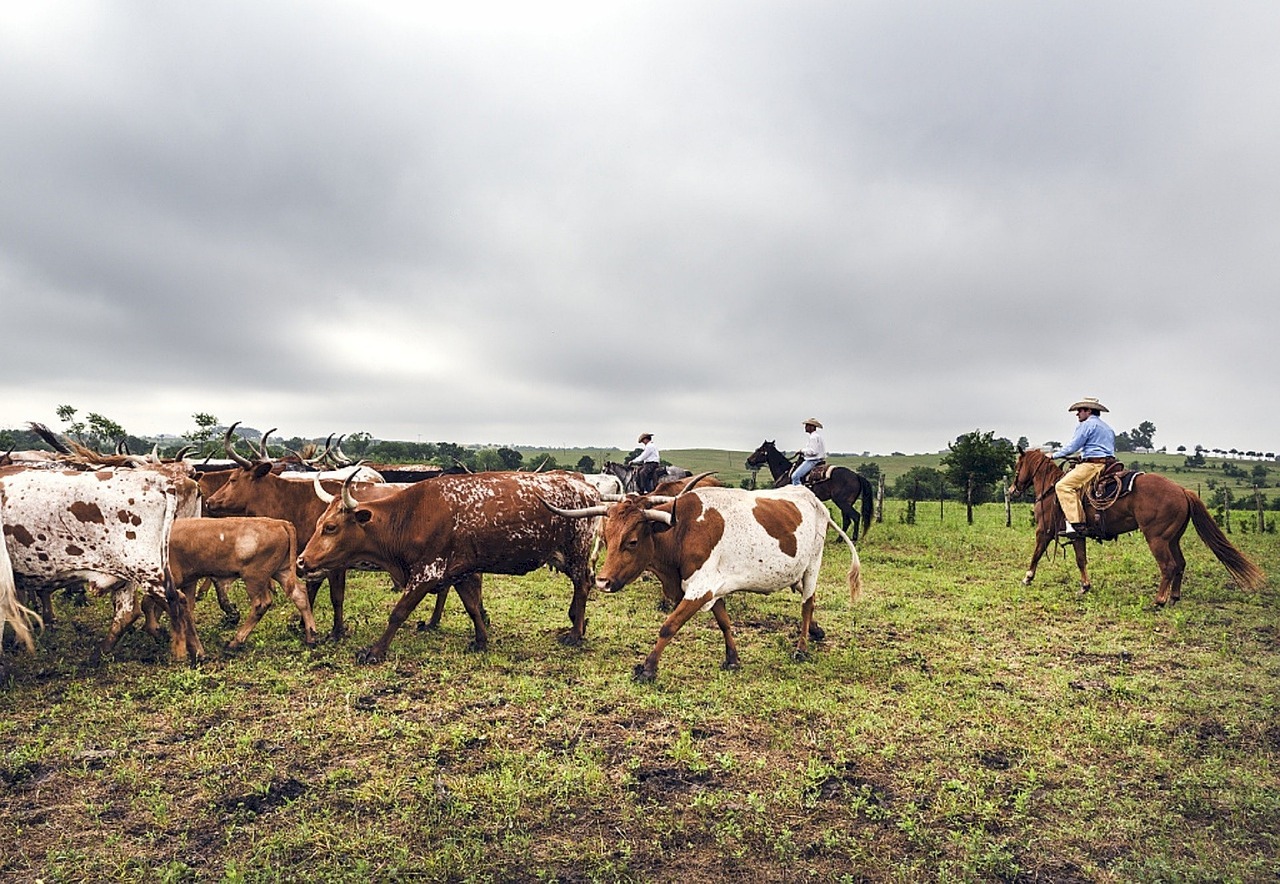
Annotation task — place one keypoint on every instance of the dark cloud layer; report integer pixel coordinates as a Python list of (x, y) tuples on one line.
[(562, 223)]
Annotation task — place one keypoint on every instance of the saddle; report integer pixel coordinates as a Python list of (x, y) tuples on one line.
[(1113, 483), (815, 475)]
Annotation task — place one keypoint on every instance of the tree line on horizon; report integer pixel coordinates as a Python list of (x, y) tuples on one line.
[(975, 468)]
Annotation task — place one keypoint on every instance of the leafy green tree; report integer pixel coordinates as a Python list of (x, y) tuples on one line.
[(869, 470), (511, 459), (586, 464), (1143, 435), (357, 445), (1124, 442), (103, 432), (978, 460), (206, 429), (919, 483), (75, 428)]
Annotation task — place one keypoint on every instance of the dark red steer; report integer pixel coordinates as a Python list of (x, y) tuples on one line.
[(450, 530)]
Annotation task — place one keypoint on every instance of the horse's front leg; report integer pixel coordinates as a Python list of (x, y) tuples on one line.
[(1082, 562), (1042, 543)]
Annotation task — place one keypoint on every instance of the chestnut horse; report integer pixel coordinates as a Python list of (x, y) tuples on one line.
[(1158, 507), (842, 486)]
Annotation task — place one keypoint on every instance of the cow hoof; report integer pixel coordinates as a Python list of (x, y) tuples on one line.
[(816, 632), (1086, 588), (234, 649), (640, 675), (800, 656), (368, 656), (1026, 581), (476, 647), (424, 626), (730, 665), (570, 640), (231, 618)]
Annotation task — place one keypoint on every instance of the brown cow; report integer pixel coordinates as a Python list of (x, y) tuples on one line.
[(709, 542), (449, 530), (253, 549)]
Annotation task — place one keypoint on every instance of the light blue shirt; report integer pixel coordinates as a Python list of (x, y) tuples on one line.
[(1093, 438)]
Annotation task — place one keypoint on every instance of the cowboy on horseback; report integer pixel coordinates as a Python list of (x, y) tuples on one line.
[(813, 453), (646, 464), (1096, 444)]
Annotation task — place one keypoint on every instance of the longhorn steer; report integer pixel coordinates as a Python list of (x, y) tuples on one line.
[(108, 527), (450, 530), (709, 542)]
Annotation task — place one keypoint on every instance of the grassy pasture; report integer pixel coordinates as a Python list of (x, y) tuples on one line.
[(953, 726)]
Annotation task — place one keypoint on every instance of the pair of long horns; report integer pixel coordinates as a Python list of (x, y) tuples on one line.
[(348, 500)]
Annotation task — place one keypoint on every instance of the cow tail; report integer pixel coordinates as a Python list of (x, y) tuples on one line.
[(855, 564), (1246, 573), (12, 611)]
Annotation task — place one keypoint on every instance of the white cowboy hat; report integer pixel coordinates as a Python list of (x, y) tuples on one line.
[(813, 421), (1088, 402), (644, 436)]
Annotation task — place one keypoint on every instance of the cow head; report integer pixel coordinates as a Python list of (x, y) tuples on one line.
[(340, 533)]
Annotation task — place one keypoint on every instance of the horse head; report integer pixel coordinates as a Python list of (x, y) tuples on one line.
[(760, 457), (1033, 468)]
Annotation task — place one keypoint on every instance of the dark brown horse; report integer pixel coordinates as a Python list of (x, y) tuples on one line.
[(843, 486), (1158, 507)]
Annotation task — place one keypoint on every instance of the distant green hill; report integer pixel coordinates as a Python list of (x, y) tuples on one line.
[(730, 467)]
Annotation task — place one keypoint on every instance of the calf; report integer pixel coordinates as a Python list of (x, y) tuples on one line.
[(255, 550), (709, 542)]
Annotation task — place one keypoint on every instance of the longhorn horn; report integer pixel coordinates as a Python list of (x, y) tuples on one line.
[(689, 486), (584, 513), (348, 500), (231, 452), (320, 492), (321, 456), (263, 453)]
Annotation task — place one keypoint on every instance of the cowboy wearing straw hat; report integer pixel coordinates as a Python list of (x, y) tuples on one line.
[(647, 463), (813, 452), (1096, 443)]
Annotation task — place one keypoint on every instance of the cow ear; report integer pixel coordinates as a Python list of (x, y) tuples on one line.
[(362, 516), (260, 470)]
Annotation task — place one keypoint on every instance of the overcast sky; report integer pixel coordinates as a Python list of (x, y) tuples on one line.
[(567, 223)]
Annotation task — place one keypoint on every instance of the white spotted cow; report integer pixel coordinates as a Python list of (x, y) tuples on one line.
[(706, 543), (109, 528)]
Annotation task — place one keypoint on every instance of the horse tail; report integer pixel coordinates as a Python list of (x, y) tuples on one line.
[(855, 563), (1246, 573), (868, 504)]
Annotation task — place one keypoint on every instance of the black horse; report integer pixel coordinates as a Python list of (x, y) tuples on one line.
[(842, 486)]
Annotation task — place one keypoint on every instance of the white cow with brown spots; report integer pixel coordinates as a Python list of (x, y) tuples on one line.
[(109, 528), (709, 542)]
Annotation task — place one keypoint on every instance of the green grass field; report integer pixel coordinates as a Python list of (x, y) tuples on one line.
[(953, 726)]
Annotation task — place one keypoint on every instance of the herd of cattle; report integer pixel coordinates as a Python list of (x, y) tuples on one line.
[(149, 531)]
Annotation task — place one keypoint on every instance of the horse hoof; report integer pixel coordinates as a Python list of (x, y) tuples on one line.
[(816, 632), (424, 626), (368, 656), (570, 640), (1085, 588), (800, 656), (476, 647), (640, 675), (730, 665)]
